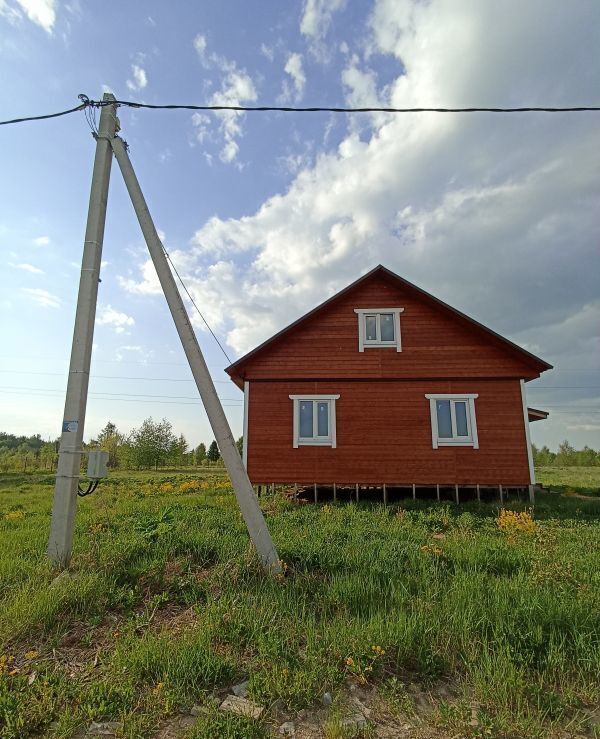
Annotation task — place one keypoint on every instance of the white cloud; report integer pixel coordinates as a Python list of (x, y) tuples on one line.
[(267, 51), (140, 79), (294, 68), (40, 12), (42, 297), (491, 213), (316, 22), (135, 350), (149, 285), (108, 316), (27, 268), (237, 89), (317, 15), (42, 241), (200, 46)]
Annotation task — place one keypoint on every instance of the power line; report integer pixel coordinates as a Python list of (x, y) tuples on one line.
[(565, 387), (89, 103), (116, 396), (113, 377), (119, 400), (126, 395), (187, 292), (228, 382), (83, 106)]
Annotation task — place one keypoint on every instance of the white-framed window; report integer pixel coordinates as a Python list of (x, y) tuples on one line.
[(314, 420), (379, 327), (453, 421)]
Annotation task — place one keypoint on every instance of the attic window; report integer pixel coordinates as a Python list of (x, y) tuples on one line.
[(314, 420), (379, 327), (453, 420)]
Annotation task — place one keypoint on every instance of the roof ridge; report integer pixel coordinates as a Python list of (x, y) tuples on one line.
[(428, 296)]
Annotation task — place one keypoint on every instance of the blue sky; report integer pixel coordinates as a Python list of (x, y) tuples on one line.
[(266, 215)]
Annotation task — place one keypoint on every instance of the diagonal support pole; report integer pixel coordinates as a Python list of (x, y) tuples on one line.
[(242, 487)]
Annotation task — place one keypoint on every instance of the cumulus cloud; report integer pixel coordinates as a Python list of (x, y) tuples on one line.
[(27, 268), (493, 214), (148, 285), (293, 67), (237, 88), (42, 297), (40, 12), (109, 316), (140, 79), (317, 15), (129, 350), (267, 51), (42, 241), (200, 45)]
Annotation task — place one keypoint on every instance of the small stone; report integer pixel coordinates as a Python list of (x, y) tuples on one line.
[(241, 706), (195, 710), (63, 576), (105, 728), (361, 708), (326, 700), (288, 729), (241, 689), (355, 721), (277, 705)]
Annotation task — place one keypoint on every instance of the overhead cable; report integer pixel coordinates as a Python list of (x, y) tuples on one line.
[(87, 102)]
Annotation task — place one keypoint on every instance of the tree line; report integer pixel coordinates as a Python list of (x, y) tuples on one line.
[(566, 456), (153, 444)]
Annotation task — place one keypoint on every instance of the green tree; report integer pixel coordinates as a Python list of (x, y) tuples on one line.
[(178, 451), (542, 457), (200, 454), (48, 454), (152, 443), (109, 440), (213, 454), (566, 455), (240, 446), (587, 457)]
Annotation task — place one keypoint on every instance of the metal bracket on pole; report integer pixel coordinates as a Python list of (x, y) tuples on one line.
[(242, 487), (67, 474)]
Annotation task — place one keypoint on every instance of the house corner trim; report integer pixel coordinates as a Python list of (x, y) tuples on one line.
[(527, 434)]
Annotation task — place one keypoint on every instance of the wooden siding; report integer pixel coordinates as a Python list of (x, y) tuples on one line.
[(436, 343), (384, 435)]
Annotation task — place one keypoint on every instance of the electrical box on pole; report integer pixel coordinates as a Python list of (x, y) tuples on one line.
[(97, 467)]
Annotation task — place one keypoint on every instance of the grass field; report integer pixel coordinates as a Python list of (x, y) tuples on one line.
[(569, 480), (437, 617)]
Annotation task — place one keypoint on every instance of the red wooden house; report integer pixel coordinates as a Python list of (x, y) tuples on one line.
[(385, 385)]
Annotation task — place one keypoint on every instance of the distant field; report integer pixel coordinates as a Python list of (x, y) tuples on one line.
[(447, 621), (582, 480)]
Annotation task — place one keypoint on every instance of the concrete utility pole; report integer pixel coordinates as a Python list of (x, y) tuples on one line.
[(242, 487), (67, 474)]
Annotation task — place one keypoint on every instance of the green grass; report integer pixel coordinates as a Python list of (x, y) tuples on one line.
[(165, 604), (580, 480)]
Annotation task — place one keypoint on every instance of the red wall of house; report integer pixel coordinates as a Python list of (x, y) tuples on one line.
[(384, 434), (435, 343)]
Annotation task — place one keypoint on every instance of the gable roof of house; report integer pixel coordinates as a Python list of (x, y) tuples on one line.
[(380, 269)]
